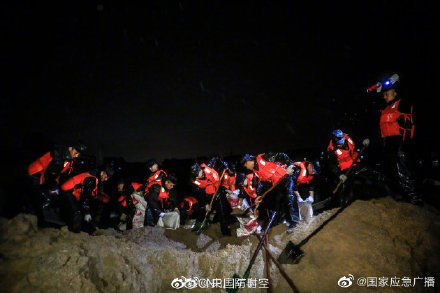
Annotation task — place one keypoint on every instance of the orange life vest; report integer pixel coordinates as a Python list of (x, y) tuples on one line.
[(269, 171), (346, 157), (135, 185), (154, 179), (211, 181), (122, 200), (229, 182), (76, 184), (163, 196), (303, 177), (40, 166), (248, 188), (102, 196), (191, 201), (388, 121)]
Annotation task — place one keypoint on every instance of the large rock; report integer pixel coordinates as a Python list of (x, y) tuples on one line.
[(369, 238)]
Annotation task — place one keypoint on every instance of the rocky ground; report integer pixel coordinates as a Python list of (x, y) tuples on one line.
[(373, 238)]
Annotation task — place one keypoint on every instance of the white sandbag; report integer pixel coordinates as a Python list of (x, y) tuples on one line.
[(140, 205), (170, 220), (248, 226), (305, 210)]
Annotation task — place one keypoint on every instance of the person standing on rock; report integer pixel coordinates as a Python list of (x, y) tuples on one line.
[(78, 192), (270, 168), (45, 173), (397, 132), (161, 199)]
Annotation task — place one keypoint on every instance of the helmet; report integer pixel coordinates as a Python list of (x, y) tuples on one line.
[(390, 82), (80, 147), (246, 158), (195, 169), (338, 136)]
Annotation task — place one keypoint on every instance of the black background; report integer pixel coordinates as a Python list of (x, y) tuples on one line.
[(178, 79)]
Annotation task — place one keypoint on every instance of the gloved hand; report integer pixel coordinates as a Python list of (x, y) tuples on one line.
[(207, 208), (161, 215), (88, 218), (54, 191), (300, 199), (343, 178), (290, 169), (245, 204), (310, 199), (366, 142)]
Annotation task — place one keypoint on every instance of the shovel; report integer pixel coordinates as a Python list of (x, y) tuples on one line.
[(200, 227), (254, 256), (278, 265), (291, 254)]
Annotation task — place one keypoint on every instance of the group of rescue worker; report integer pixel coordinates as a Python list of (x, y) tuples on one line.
[(257, 184)]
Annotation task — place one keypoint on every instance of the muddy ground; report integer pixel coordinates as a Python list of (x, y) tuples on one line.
[(375, 238)]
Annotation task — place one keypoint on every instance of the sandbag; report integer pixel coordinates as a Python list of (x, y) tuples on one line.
[(141, 205), (170, 220), (248, 226), (305, 210)]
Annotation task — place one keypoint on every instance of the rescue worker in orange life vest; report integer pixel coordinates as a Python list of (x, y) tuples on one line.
[(154, 174), (46, 173), (397, 131), (343, 162), (78, 192), (270, 168), (125, 202), (302, 187), (161, 198), (190, 208), (342, 154), (47, 169), (206, 181), (250, 187)]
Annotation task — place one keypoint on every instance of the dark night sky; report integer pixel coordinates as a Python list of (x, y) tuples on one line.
[(185, 78)]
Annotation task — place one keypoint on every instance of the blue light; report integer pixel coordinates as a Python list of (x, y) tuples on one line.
[(387, 83)]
